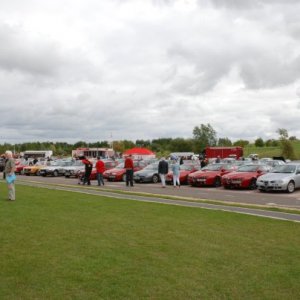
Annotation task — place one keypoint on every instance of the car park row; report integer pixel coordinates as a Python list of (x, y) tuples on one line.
[(265, 174)]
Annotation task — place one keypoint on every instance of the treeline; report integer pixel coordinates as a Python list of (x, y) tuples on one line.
[(203, 136)]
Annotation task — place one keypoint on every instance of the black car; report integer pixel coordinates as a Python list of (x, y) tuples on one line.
[(2, 164)]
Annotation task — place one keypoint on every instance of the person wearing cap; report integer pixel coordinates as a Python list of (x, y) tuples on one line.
[(10, 169)]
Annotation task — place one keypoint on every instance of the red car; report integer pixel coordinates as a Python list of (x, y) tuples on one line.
[(20, 166), (244, 177), (185, 170), (119, 172), (210, 175)]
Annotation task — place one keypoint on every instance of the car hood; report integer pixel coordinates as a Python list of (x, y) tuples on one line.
[(205, 173), (241, 175), (51, 168), (75, 168), (144, 173), (276, 176), (114, 171)]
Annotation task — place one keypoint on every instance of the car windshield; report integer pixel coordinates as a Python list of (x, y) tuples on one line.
[(120, 166), (214, 167), (151, 167), (186, 167), (284, 169), (247, 168)]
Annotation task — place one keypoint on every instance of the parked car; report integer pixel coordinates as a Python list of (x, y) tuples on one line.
[(281, 178), (74, 170), (148, 174), (210, 175), (184, 172), (119, 172), (56, 168), (2, 164), (20, 166), (273, 163), (35, 169), (245, 176)]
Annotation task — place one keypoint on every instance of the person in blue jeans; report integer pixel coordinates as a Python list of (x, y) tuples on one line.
[(176, 172)]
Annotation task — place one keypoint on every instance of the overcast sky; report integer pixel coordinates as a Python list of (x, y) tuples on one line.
[(93, 70)]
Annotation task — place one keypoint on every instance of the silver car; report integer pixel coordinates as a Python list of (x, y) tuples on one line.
[(281, 178)]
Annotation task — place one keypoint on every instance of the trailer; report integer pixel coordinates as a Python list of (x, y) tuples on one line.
[(93, 152), (224, 152), (36, 154)]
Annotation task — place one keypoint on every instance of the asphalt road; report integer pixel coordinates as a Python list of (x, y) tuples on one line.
[(277, 199)]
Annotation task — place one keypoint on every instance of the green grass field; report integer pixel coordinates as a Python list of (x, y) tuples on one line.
[(270, 151), (63, 245)]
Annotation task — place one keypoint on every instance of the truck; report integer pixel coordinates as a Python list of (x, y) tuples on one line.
[(224, 152)]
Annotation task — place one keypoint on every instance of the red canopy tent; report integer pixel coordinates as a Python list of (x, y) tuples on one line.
[(139, 153)]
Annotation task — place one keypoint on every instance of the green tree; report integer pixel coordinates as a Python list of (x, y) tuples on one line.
[(241, 143), (204, 136), (143, 143), (286, 145), (181, 145), (271, 143), (226, 142), (259, 142), (293, 138)]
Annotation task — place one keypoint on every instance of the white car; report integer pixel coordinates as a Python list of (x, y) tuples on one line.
[(281, 178)]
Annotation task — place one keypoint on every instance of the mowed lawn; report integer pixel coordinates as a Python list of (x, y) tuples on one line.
[(64, 245)]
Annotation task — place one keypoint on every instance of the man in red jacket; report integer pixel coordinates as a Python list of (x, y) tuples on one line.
[(100, 167), (128, 165)]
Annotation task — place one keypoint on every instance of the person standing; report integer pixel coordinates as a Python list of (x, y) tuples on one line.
[(128, 165), (88, 170), (100, 167), (10, 169), (176, 173), (163, 169)]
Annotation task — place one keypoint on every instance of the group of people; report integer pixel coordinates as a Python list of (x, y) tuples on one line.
[(163, 169), (100, 168)]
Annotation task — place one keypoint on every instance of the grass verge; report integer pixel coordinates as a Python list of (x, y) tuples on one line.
[(169, 197), (62, 245)]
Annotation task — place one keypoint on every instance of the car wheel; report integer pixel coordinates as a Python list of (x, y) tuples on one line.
[(290, 187), (217, 182), (55, 173), (252, 185), (155, 179), (124, 177)]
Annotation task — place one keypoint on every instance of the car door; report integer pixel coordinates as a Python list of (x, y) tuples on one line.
[(297, 177)]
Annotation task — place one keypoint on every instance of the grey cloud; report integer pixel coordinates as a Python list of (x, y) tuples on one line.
[(238, 4), (20, 53)]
